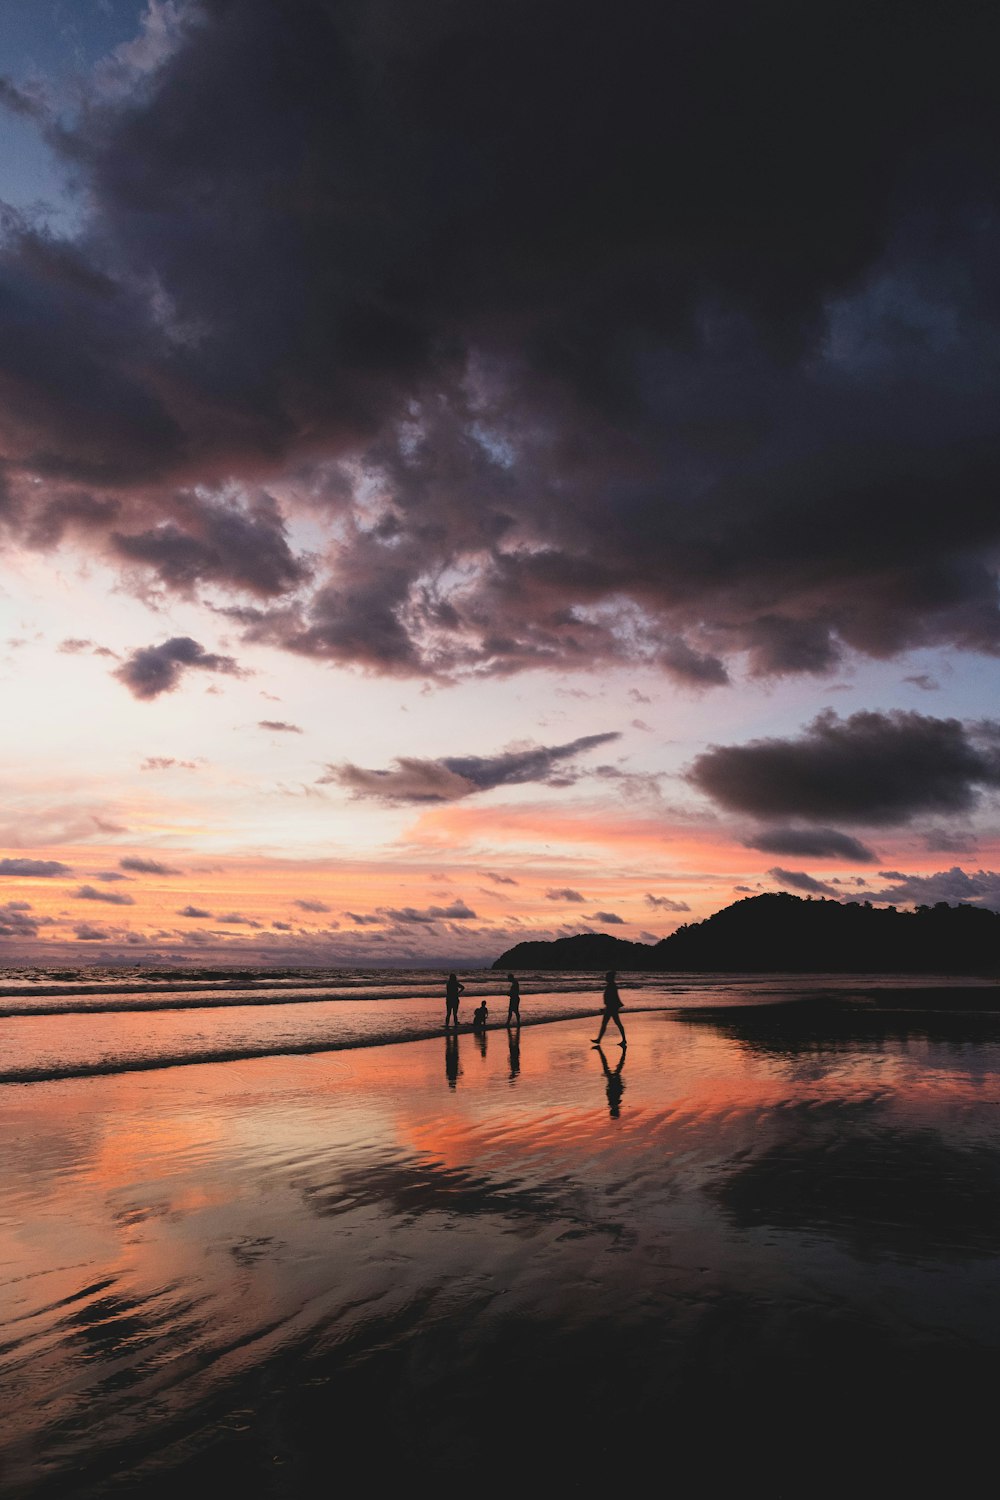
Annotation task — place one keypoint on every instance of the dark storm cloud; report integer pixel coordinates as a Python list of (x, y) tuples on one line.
[(142, 866), (456, 776), (153, 670), (113, 898), (815, 843), (241, 548), (630, 321), (800, 881), (46, 868), (880, 769)]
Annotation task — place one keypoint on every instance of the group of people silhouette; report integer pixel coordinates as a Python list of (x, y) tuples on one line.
[(611, 1013), (454, 988)]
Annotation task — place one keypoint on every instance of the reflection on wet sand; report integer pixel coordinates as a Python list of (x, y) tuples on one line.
[(514, 1050), (614, 1080), (779, 1259)]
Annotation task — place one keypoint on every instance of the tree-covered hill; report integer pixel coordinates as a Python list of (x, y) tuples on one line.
[(777, 932)]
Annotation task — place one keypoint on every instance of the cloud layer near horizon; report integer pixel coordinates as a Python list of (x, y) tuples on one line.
[(579, 335)]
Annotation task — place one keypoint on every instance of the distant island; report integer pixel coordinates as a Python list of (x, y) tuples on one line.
[(781, 933)]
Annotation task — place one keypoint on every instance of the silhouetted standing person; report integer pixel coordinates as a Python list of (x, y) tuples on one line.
[(514, 1001), (615, 1082), (612, 1008), (452, 989)]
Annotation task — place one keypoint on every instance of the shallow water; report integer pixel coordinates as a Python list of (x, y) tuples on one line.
[(760, 1239), (74, 1023)]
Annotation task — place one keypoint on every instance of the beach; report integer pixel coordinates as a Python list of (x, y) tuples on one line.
[(760, 1243)]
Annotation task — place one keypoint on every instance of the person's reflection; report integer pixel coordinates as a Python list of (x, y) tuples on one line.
[(481, 1034), (451, 1068), (615, 1082), (514, 1043)]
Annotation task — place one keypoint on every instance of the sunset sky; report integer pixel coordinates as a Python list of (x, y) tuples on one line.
[(473, 473)]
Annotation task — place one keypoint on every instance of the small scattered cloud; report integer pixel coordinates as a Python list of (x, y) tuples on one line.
[(455, 776), (153, 670), (85, 933), (499, 879), (110, 875), (364, 919), (142, 866), (800, 881), (307, 905), (74, 646), (456, 912), (665, 903), (564, 893), (44, 869), (193, 911), (611, 918), (279, 726), (167, 763), (978, 888), (112, 898), (924, 681), (18, 921), (812, 843)]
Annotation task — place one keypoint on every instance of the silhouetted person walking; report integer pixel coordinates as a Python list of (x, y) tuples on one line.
[(612, 1007), (615, 1082), (514, 1001), (452, 989)]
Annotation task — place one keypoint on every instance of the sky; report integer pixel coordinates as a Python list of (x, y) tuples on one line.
[(479, 473)]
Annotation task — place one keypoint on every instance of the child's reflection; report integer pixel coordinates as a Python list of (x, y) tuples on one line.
[(615, 1082)]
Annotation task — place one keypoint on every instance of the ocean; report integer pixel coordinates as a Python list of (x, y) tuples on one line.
[(277, 1235)]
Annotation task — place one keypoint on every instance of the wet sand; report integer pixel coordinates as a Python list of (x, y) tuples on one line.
[(764, 1248)]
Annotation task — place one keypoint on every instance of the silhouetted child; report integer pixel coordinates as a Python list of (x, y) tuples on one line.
[(479, 1015)]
